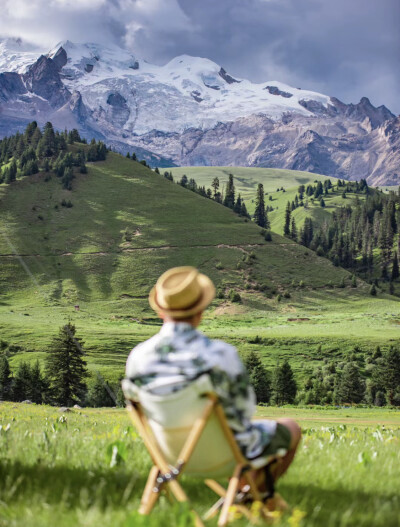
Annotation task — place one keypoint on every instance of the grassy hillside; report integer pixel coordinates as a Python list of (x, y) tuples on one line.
[(126, 226), (247, 179)]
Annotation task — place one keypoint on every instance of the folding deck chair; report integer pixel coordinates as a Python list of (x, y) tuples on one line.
[(187, 431)]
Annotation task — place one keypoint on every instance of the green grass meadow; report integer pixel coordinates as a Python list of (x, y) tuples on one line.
[(126, 226), (57, 469)]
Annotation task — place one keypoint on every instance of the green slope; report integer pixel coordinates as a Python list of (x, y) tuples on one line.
[(127, 225), (247, 179)]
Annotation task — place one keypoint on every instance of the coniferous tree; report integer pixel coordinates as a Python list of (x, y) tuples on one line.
[(243, 211), (391, 373), (99, 394), (66, 368), (284, 384), (37, 385), (293, 230), (229, 200), (215, 186), (286, 228), (21, 388), (259, 377), (259, 213), (238, 205), (395, 267), (11, 172), (350, 386), (5, 379)]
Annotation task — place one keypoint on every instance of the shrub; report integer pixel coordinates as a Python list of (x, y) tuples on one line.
[(268, 236), (219, 266), (279, 298), (286, 294), (234, 296), (220, 293)]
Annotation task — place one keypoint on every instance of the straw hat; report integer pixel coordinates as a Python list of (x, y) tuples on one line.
[(182, 292)]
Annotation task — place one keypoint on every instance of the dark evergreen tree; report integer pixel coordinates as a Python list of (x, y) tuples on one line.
[(10, 174), (229, 200), (259, 377), (259, 213), (350, 386), (21, 387), (99, 394), (286, 228), (66, 368), (215, 186), (293, 229), (238, 205), (184, 181), (284, 384), (395, 267), (5, 379), (391, 373), (37, 385)]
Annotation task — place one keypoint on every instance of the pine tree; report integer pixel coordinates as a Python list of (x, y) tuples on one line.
[(21, 388), (259, 213), (293, 230), (49, 140), (372, 290), (215, 186), (259, 377), (350, 386), (229, 200), (286, 228), (5, 379), (284, 384), (11, 172), (238, 205), (37, 385), (391, 372), (99, 394), (395, 267), (66, 367)]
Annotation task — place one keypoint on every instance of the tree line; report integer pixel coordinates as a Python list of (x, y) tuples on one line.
[(28, 153), (63, 381), (371, 377), (363, 237), (229, 198)]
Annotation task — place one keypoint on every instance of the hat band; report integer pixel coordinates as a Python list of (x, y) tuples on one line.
[(182, 308)]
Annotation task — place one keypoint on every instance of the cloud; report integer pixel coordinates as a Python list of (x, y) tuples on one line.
[(347, 48)]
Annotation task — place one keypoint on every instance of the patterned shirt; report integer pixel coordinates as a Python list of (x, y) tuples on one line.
[(179, 353)]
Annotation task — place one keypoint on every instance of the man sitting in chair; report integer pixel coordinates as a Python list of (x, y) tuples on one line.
[(180, 354)]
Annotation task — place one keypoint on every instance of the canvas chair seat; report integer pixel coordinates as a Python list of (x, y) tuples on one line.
[(171, 418), (187, 431)]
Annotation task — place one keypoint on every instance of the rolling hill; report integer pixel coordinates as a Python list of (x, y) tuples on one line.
[(128, 224)]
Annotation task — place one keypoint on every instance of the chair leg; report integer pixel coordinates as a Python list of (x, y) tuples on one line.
[(149, 497), (230, 496)]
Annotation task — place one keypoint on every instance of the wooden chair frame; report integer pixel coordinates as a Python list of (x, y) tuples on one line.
[(162, 476)]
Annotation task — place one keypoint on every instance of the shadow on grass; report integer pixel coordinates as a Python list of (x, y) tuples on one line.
[(81, 487)]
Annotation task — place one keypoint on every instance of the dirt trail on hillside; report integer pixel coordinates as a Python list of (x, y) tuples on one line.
[(133, 249)]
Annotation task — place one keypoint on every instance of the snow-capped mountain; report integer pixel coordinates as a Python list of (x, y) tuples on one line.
[(190, 111)]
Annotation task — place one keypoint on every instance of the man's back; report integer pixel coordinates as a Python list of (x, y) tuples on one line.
[(179, 354)]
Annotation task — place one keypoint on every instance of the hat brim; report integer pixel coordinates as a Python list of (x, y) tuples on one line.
[(207, 296)]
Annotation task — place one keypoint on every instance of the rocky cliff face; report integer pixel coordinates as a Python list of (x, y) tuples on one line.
[(192, 112)]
